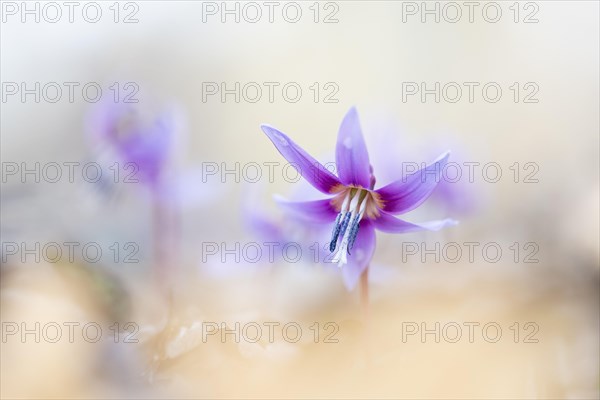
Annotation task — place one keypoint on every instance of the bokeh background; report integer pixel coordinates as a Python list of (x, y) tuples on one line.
[(172, 54)]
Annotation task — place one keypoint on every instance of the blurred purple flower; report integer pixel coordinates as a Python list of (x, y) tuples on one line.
[(356, 209), (144, 141), (455, 193), (287, 230)]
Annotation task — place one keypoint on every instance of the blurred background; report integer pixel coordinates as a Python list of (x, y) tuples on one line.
[(138, 281)]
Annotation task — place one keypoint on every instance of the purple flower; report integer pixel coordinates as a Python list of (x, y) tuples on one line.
[(144, 141), (356, 209)]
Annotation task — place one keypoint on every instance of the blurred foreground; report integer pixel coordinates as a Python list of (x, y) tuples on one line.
[(183, 352)]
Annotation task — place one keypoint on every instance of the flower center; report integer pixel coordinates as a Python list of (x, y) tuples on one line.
[(353, 203)]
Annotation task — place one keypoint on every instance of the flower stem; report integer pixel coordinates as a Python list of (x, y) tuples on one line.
[(163, 242), (158, 240), (364, 294), (364, 303)]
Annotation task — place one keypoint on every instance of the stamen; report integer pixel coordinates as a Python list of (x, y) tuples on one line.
[(363, 207), (340, 223), (356, 225), (349, 214), (335, 233), (353, 232), (344, 225), (358, 203), (338, 230), (356, 211), (344, 208)]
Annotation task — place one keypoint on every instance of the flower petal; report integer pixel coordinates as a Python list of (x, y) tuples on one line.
[(260, 225), (351, 156), (410, 191), (388, 223), (310, 169), (314, 211), (361, 256), (256, 218)]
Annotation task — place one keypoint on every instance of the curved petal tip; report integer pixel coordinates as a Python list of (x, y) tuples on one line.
[(274, 134), (444, 156)]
